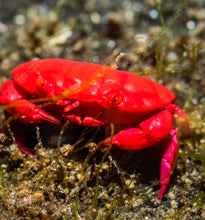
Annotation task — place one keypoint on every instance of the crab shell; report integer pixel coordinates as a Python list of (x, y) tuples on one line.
[(121, 97)]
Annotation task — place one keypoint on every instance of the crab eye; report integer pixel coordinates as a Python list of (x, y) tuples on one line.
[(40, 82), (115, 99), (43, 87)]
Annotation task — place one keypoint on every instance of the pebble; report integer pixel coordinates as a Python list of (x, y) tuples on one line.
[(20, 19), (111, 43), (190, 25), (61, 37), (138, 202), (78, 46), (95, 18), (198, 14), (154, 14), (174, 204), (171, 56), (171, 195)]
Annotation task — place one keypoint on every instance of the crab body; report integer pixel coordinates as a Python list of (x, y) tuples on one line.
[(88, 94)]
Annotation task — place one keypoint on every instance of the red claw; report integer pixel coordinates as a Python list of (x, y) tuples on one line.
[(42, 115)]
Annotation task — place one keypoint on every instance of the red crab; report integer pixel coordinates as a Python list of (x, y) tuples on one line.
[(94, 95)]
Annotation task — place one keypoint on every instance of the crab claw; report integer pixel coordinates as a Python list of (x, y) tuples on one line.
[(27, 112), (38, 115)]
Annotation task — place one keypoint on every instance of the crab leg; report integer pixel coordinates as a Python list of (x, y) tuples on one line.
[(174, 109), (167, 161)]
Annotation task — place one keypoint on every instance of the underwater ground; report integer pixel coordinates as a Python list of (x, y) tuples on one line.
[(71, 178)]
